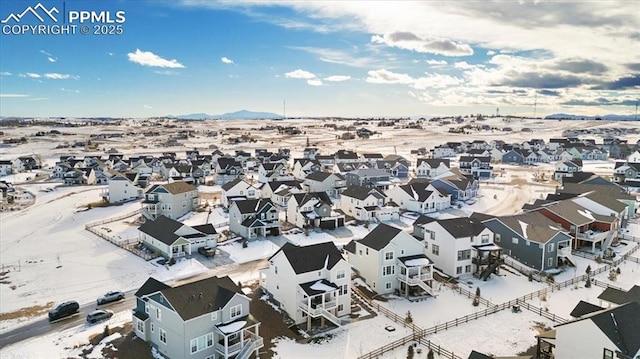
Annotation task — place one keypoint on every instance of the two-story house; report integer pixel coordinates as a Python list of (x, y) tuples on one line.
[(453, 244), (371, 177), (227, 169), (310, 283), (461, 188), (173, 200), (567, 169), (279, 192), (121, 189), (313, 210), (273, 171), (332, 183), (205, 319), (419, 197), (252, 218), (303, 166), (367, 204), (432, 167), (478, 167), (238, 189), (389, 260), (172, 239), (6, 167)]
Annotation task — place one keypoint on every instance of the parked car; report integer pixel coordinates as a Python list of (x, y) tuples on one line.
[(109, 297), (207, 251), (98, 315), (64, 310)]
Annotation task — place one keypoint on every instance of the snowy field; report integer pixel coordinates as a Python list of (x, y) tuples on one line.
[(498, 289), (502, 333)]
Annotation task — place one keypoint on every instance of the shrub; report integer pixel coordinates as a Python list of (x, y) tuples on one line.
[(618, 270), (476, 302), (430, 354), (106, 332), (172, 261), (477, 291), (588, 283), (530, 276), (410, 352), (408, 318), (588, 270), (613, 275)]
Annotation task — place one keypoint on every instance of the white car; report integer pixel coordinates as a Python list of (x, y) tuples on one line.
[(109, 297)]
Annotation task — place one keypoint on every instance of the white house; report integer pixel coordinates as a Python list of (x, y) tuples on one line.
[(6, 168), (419, 197), (174, 239), (309, 283), (443, 152), (121, 189), (449, 243), (303, 166), (238, 189), (173, 200), (332, 183), (367, 204), (313, 210), (268, 172), (634, 157), (432, 167), (389, 259), (279, 192), (610, 333), (252, 218)]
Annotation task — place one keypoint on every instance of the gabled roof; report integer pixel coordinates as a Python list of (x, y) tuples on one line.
[(417, 191), (361, 193), (584, 308), (370, 172), (205, 228), (304, 259), (617, 296), (611, 203), (302, 198), (619, 324), (152, 285), (380, 236), (162, 228), (251, 205), (229, 185), (423, 220), (462, 227), (434, 162), (320, 176), (533, 226), (194, 299), (572, 212), (175, 187)]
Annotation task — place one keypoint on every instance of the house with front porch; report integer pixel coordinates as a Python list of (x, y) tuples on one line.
[(370, 177), (173, 239), (367, 204), (313, 210), (279, 192), (311, 284), (532, 239), (390, 260), (273, 171), (253, 218), (460, 187), (478, 167), (227, 169), (238, 189), (172, 200), (303, 166), (205, 319), (419, 197), (332, 183), (567, 168)]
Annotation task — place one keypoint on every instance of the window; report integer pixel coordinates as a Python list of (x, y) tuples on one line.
[(236, 311), (146, 308), (426, 245), (514, 240), (388, 270), (465, 254), (158, 314), (163, 336), (343, 289), (435, 249), (458, 270), (387, 285), (608, 354), (340, 307), (360, 252), (184, 204), (467, 268), (140, 326), (484, 238), (496, 238), (432, 235), (367, 250), (153, 327), (388, 256), (573, 229), (210, 357), (201, 343), (341, 274), (214, 316), (276, 269), (550, 247)]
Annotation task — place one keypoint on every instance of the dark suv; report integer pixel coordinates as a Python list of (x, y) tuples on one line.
[(64, 310)]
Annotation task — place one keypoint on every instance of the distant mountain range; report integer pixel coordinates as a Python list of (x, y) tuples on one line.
[(609, 117), (238, 115)]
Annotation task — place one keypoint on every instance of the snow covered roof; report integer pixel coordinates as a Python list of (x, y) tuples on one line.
[(232, 327), (318, 287)]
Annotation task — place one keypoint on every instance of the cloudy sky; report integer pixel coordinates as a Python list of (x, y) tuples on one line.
[(328, 58)]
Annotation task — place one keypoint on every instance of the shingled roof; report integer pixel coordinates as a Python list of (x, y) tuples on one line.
[(152, 285), (380, 236), (194, 299), (305, 259), (361, 193), (462, 227), (162, 228)]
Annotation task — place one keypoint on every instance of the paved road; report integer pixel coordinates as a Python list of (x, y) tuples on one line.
[(42, 326)]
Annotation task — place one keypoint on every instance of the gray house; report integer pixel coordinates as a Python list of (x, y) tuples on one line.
[(206, 319), (372, 177), (254, 218), (531, 238)]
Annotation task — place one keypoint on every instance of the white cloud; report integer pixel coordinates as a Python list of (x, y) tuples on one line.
[(435, 81), (300, 74), (110, 53), (147, 107), (337, 78), (314, 82), (226, 60), (148, 58), (384, 76), (5, 73), (409, 41), (12, 95), (31, 75), (57, 76), (463, 65), (50, 57), (435, 63), (491, 53)]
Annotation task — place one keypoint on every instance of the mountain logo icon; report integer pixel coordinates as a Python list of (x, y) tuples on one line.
[(39, 11)]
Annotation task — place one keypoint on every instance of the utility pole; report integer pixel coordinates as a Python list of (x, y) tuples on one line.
[(284, 109), (535, 105)]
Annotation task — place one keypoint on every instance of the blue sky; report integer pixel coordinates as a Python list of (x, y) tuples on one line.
[(326, 59)]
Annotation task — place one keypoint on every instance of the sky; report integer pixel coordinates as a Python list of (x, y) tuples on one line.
[(324, 58)]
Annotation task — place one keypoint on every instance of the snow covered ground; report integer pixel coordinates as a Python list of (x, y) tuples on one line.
[(498, 289)]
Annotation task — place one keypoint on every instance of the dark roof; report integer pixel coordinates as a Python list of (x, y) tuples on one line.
[(423, 219), (462, 227), (310, 258), (251, 205), (302, 198), (311, 292), (350, 247), (380, 236), (476, 355), (229, 185), (274, 185), (418, 190), (481, 216), (162, 228), (539, 228), (194, 299), (584, 308), (620, 297), (434, 162), (361, 193), (318, 176), (205, 228), (152, 285), (179, 187)]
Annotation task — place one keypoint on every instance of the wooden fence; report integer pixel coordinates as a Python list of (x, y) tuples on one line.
[(524, 269), (112, 219)]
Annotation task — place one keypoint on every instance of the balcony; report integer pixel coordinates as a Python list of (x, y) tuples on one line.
[(316, 309), (415, 279), (564, 252), (593, 236), (241, 341)]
